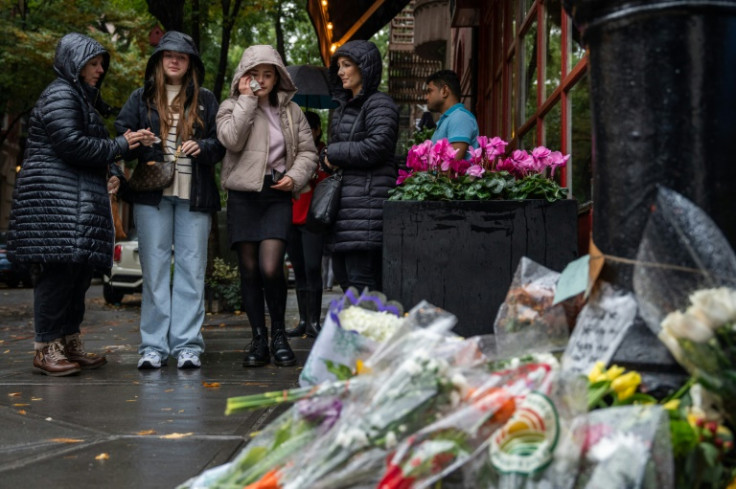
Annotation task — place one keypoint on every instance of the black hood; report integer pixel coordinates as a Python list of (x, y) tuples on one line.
[(73, 52), (181, 43), (368, 58)]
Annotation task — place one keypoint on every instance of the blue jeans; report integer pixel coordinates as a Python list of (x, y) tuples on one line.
[(172, 308)]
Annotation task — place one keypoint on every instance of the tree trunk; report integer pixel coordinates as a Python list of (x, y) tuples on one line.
[(280, 47), (228, 21), (169, 12), (196, 19)]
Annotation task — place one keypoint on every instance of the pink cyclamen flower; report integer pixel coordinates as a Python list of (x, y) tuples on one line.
[(442, 155), (475, 171), (476, 155), (540, 155), (459, 167), (556, 159), (506, 164), (403, 175), (495, 147), (523, 162)]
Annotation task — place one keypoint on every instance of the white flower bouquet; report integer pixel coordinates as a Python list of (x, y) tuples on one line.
[(703, 340)]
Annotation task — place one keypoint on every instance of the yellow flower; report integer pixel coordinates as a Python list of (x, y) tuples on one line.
[(672, 405), (360, 368), (732, 485), (614, 372), (625, 385), (597, 372)]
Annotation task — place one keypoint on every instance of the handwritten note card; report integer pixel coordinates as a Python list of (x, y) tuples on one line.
[(599, 329)]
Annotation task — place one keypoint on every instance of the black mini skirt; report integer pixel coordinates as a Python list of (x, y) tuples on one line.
[(255, 216)]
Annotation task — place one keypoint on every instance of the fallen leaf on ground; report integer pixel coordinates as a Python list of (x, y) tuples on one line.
[(131, 400), (66, 440), (169, 390), (14, 394), (146, 432), (102, 456), (36, 398), (21, 404), (211, 385), (165, 409), (22, 411), (176, 436)]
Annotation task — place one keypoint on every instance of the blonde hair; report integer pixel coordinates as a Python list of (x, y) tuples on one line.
[(188, 119)]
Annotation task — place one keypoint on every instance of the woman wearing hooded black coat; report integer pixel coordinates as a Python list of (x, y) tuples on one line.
[(177, 117), (362, 142), (61, 218)]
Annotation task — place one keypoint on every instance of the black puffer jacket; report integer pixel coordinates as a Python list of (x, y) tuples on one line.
[(137, 113), (362, 142), (61, 210)]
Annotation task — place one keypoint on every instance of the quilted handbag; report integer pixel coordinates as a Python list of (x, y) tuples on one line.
[(324, 204), (154, 175)]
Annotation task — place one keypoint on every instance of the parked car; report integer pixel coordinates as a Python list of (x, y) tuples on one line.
[(125, 276), (11, 274)]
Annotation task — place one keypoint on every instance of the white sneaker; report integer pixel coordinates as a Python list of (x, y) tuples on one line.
[(151, 359), (188, 359)]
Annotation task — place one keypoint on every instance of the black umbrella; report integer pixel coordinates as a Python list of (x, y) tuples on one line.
[(313, 87)]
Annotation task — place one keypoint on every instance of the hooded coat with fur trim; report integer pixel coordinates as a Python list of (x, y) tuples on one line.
[(363, 135), (139, 112), (61, 210), (242, 126)]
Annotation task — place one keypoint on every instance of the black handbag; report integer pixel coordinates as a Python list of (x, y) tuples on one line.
[(154, 175), (325, 203)]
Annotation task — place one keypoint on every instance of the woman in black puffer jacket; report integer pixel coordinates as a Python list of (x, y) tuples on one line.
[(363, 136), (61, 217)]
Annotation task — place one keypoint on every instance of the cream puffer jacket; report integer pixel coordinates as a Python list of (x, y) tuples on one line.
[(242, 127)]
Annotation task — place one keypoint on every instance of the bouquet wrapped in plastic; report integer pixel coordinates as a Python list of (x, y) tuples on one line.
[(354, 326), (685, 263), (486, 402), (528, 321)]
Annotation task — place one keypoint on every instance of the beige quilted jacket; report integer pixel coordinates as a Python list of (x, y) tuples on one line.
[(242, 127)]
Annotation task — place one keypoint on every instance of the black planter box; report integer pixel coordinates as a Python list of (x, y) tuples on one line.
[(462, 255)]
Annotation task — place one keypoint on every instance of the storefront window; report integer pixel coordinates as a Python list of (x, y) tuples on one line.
[(529, 73), (581, 130)]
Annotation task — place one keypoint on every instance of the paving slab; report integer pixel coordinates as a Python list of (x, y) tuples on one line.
[(118, 427)]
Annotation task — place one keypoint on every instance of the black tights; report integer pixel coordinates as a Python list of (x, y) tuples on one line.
[(262, 274)]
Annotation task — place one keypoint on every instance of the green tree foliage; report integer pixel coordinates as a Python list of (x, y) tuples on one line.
[(31, 30)]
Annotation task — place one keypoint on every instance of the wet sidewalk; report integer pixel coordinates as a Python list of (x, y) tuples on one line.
[(118, 427)]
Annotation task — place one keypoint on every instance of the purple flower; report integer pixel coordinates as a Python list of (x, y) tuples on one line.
[(442, 155), (523, 162), (325, 411), (540, 155)]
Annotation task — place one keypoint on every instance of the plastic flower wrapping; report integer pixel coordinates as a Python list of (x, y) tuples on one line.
[(395, 401), (690, 302), (353, 328)]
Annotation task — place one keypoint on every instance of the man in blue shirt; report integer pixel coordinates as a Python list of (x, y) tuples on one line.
[(457, 123)]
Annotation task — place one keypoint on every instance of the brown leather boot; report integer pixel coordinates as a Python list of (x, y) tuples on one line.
[(74, 350), (50, 360)]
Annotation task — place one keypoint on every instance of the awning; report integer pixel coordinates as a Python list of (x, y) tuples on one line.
[(339, 21)]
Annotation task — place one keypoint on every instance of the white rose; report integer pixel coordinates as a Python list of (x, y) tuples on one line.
[(672, 344), (687, 326), (719, 305)]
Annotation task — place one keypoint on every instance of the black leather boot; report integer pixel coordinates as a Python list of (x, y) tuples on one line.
[(302, 301), (257, 355), (282, 354), (314, 312)]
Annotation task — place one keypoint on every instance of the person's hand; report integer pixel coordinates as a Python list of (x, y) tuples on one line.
[(133, 139), (113, 185), (190, 148), (286, 184), (244, 85)]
